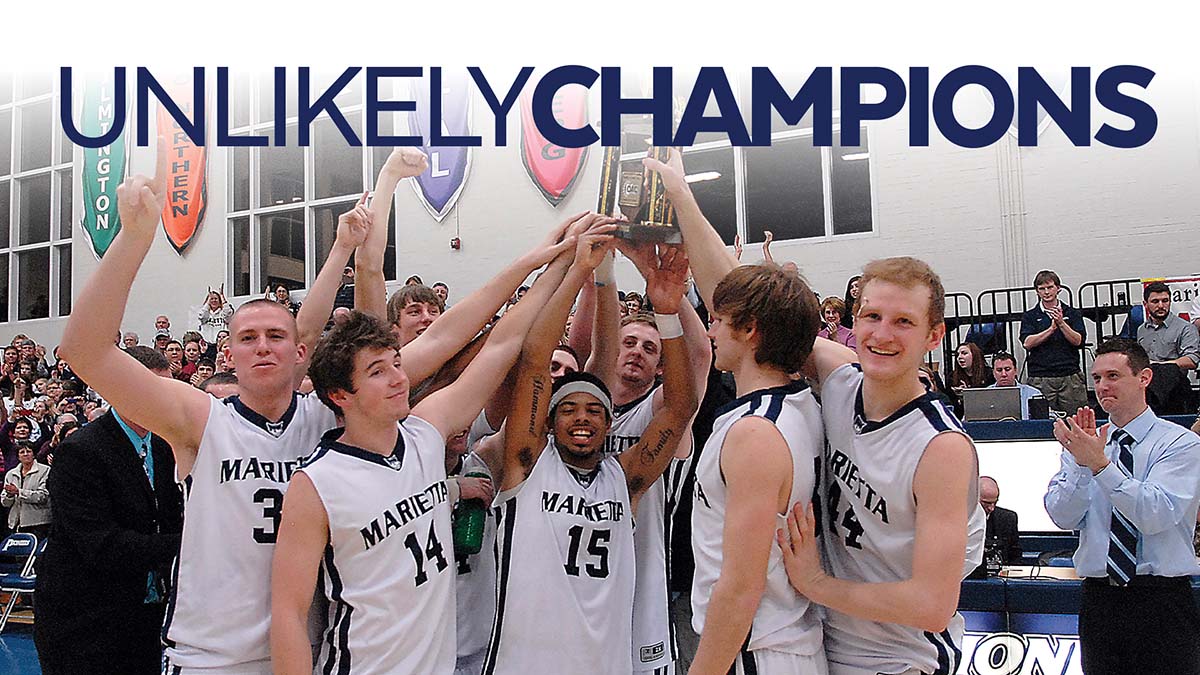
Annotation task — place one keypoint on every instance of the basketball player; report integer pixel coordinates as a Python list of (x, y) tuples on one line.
[(371, 509), (565, 540), (759, 460), (894, 589), (631, 378), (899, 515), (234, 456)]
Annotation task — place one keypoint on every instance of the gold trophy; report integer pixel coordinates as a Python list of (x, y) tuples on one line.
[(628, 188)]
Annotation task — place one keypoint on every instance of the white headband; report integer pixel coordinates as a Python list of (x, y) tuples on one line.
[(581, 386)]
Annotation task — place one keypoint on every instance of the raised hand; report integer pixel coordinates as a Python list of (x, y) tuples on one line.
[(355, 224), (595, 242), (140, 199), (406, 162), (666, 281), (671, 172), (737, 246), (558, 239)]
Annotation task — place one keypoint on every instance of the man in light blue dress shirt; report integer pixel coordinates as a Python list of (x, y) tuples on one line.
[(1132, 489)]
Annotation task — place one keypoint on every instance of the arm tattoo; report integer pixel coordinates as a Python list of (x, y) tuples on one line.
[(650, 453), (539, 388)]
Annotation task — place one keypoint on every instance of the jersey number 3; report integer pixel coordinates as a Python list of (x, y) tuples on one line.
[(597, 548), (272, 501)]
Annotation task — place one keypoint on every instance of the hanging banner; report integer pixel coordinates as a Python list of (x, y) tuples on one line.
[(553, 169), (103, 168), (442, 183), (187, 170)]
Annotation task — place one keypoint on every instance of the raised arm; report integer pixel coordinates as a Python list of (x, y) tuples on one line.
[(444, 337), (525, 430), (581, 336), (354, 226), (172, 409), (370, 285), (456, 406), (770, 237), (606, 325), (711, 261), (646, 461)]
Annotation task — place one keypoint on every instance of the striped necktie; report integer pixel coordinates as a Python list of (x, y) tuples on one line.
[(1122, 536)]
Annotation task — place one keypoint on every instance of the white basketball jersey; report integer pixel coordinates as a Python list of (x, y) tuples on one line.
[(220, 611), (868, 522), (476, 580), (785, 620), (566, 572), (388, 571), (653, 632)]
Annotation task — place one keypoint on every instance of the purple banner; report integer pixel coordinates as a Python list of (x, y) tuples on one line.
[(439, 187)]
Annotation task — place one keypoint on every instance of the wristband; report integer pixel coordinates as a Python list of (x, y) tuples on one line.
[(669, 325)]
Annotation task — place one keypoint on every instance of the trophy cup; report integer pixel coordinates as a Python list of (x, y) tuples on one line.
[(637, 193)]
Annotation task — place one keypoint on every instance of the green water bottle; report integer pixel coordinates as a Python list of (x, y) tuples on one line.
[(469, 517)]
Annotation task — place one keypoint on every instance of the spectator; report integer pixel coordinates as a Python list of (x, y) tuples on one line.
[(161, 322), (1052, 333), (12, 434), (32, 353), (563, 361), (221, 385), (412, 309), (443, 292), (970, 369), (117, 514), (214, 314), (1002, 534), (25, 494), (284, 297), (850, 298), (63, 426), (832, 310), (414, 280), (39, 414), (205, 368), (633, 303), (174, 354), (193, 348), (1173, 345), (1004, 369), (161, 338), (130, 339)]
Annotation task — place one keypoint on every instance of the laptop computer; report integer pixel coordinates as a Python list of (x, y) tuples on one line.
[(990, 404)]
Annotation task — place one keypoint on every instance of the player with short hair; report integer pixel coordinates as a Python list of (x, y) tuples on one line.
[(900, 517), (370, 509), (565, 536)]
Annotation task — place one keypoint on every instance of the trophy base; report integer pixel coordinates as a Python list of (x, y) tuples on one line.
[(655, 232)]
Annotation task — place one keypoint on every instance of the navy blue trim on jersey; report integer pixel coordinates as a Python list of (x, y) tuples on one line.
[(864, 426), (746, 657), (508, 524), (949, 654), (619, 410), (276, 429), (793, 387), (167, 642), (329, 443), (338, 634)]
